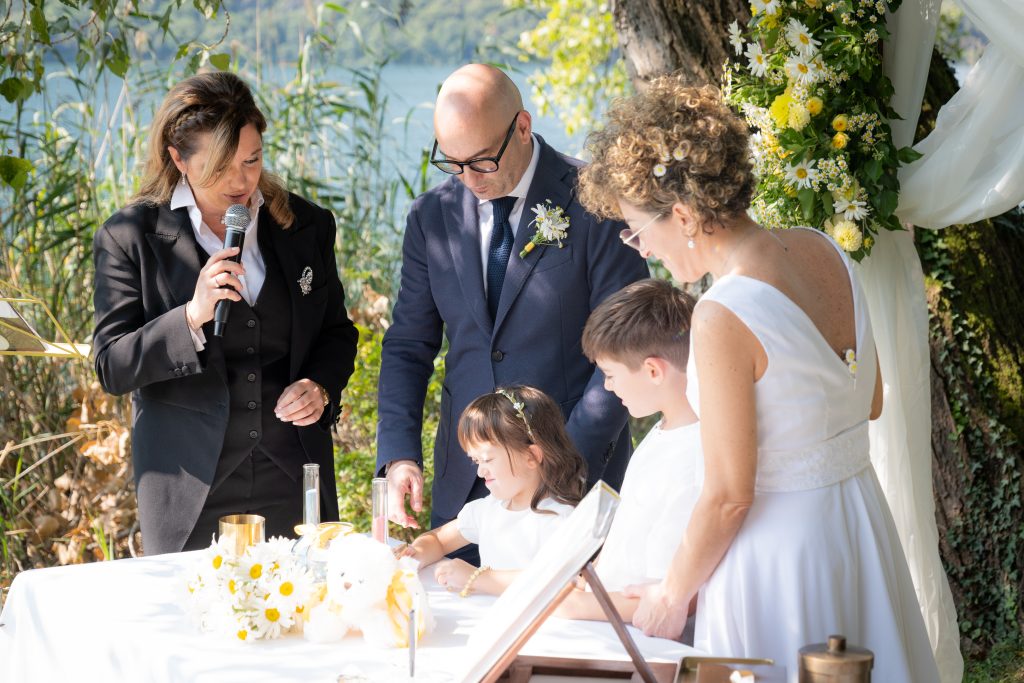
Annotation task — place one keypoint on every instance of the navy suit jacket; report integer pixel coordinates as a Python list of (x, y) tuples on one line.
[(533, 340)]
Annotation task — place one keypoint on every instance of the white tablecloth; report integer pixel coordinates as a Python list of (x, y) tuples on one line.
[(124, 621)]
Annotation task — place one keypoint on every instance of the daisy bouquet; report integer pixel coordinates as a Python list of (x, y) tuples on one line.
[(259, 594), (807, 76)]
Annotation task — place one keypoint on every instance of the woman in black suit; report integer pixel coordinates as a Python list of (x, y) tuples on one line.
[(221, 425)]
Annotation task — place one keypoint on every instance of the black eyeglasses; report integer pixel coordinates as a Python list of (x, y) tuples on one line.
[(480, 164)]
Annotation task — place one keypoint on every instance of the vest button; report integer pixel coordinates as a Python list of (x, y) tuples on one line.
[(251, 377), (251, 405), (250, 323), (497, 356), (253, 434), (250, 350)]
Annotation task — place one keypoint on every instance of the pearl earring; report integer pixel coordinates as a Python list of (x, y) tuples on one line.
[(690, 243), (183, 182)]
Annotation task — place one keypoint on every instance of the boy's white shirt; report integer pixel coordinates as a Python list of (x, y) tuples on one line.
[(660, 489), (508, 539)]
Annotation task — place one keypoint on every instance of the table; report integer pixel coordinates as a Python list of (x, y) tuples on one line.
[(124, 621)]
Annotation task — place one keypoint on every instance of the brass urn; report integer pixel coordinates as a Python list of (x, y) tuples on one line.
[(834, 662)]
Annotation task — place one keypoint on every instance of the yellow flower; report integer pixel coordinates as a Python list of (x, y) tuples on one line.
[(847, 235), (231, 586), (814, 106), (840, 123), (243, 634), (789, 190), (770, 21), (218, 560), (813, 4), (286, 588), (798, 116), (272, 614), (779, 110), (839, 140), (868, 241), (256, 571)]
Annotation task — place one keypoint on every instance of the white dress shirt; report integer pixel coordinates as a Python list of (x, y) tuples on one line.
[(485, 211), (252, 259)]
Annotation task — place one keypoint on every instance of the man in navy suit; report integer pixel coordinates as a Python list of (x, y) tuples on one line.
[(508, 319)]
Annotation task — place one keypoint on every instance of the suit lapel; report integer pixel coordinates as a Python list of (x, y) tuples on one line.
[(459, 209), (547, 184), (177, 252)]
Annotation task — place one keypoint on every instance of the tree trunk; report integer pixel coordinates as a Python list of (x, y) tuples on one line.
[(664, 36), (976, 337)]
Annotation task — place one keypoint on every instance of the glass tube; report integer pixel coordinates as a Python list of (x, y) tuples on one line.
[(379, 503), (311, 494)]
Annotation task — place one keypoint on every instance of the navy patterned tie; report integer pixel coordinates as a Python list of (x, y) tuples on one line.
[(500, 248)]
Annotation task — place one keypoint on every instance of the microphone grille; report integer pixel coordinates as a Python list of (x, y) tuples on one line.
[(237, 217)]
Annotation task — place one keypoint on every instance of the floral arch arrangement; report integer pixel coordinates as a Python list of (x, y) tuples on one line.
[(808, 78)]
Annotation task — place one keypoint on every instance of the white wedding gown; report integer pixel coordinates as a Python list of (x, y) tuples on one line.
[(818, 553)]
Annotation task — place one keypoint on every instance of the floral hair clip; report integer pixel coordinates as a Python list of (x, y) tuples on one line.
[(660, 168), (519, 407)]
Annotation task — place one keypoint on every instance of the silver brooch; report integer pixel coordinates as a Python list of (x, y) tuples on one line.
[(306, 281)]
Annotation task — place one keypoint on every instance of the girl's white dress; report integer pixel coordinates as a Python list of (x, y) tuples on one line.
[(509, 539), (818, 553)]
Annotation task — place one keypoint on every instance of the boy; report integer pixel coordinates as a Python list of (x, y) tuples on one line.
[(639, 338)]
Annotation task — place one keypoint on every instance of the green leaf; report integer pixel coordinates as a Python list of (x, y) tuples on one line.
[(908, 155), (807, 197), (221, 60), (38, 20), (887, 202), (12, 89), (14, 171), (873, 167), (182, 51)]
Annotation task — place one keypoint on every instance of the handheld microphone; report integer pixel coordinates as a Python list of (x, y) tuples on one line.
[(236, 218)]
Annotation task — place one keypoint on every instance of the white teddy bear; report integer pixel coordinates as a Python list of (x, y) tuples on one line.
[(369, 590)]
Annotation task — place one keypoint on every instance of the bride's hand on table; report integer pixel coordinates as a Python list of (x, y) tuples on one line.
[(658, 614), (453, 574)]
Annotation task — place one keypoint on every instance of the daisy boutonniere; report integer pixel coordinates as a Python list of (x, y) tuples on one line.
[(552, 226)]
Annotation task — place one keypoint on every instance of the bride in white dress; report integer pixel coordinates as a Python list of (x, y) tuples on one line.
[(791, 539)]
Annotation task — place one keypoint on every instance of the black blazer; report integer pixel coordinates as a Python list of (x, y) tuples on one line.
[(147, 263)]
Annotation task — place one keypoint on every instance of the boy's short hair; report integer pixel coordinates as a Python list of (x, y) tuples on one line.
[(647, 318)]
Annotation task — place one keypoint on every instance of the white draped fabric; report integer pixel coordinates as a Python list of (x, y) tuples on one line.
[(973, 168)]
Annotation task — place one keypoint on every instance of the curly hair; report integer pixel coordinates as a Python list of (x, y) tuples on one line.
[(701, 149)]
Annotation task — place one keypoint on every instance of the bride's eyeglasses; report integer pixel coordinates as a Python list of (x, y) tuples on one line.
[(627, 236)]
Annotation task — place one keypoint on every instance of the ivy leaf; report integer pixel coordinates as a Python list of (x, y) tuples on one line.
[(182, 51), (14, 171), (807, 197), (221, 60), (908, 155)]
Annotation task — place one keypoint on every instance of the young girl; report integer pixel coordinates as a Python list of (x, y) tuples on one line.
[(517, 439)]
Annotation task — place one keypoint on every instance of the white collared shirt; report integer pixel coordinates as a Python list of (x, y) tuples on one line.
[(252, 259), (485, 211)]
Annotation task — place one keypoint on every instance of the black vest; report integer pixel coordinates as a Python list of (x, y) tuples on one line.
[(255, 347)]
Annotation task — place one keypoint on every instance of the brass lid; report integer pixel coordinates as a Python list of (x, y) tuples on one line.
[(835, 658)]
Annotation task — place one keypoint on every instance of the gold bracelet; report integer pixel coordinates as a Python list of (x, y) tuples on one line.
[(464, 593)]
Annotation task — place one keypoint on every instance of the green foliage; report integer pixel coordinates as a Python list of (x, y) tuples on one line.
[(813, 86), (1004, 664), (356, 456), (579, 39), (984, 539)]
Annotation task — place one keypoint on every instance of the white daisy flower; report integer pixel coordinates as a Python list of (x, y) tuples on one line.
[(799, 36), (736, 37), (659, 170), (756, 60), (852, 209), (801, 70), (679, 153), (766, 6), (802, 175)]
